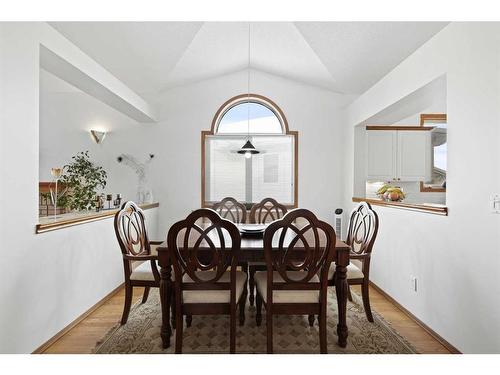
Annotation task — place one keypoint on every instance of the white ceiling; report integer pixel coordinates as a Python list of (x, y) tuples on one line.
[(345, 57)]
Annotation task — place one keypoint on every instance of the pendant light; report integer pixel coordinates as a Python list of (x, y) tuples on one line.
[(248, 148)]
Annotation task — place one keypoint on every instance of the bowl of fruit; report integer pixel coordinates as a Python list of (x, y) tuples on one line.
[(391, 193)]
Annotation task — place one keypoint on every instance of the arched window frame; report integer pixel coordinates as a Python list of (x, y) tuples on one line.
[(272, 106)]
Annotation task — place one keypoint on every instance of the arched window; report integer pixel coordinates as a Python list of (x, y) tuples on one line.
[(271, 173)]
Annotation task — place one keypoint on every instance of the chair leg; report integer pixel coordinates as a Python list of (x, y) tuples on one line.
[(232, 330), (178, 328), (173, 311), (311, 320), (365, 292), (244, 268), (189, 320), (349, 295), (258, 315), (322, 332), (251, 283), (269, 326), (128, 303), (243, 301), (146, 294)]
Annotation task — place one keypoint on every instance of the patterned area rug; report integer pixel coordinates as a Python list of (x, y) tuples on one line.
[(292, 334)]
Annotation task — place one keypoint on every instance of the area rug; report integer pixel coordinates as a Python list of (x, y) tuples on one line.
[(292, 334)]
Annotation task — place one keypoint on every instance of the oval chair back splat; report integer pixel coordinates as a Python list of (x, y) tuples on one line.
[(299, 250), (266, 211), (201, 249), (130, 230), (361, 235), (230, 209)]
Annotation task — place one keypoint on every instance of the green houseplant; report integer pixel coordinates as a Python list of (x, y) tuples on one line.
[(82, 178)]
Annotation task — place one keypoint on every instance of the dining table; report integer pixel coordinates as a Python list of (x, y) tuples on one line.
[(252, 250)]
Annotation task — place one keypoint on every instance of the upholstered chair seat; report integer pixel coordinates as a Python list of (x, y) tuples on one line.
[(353, 271), (213, 296), (143, 272), (286, 296)]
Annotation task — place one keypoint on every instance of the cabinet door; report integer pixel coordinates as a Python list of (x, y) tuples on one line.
[(381, 154), (414, 155)]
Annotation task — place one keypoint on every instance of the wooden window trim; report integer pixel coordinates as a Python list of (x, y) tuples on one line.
[(228, 104), (425, 117)]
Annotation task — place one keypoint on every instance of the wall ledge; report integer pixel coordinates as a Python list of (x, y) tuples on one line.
[(436, 209), (47, 224)]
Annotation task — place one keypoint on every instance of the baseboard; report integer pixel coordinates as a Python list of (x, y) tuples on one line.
[(431, 332), (42, 348)]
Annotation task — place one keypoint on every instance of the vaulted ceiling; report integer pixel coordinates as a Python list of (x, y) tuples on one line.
[(345, 57)]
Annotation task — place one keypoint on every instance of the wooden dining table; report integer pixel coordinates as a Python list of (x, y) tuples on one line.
[(252, 250)]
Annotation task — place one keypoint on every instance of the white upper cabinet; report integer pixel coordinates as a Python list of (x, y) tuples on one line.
[(381, 154), (398, 155), (414, 156)]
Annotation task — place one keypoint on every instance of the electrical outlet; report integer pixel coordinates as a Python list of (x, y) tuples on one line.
[(414, 284), (495, 204)]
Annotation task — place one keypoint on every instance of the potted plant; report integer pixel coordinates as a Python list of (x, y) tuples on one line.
[(83, 179)]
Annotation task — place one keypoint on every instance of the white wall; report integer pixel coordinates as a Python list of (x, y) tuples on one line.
[(66, 117), (46, 280), (187, 110), (455, 257)]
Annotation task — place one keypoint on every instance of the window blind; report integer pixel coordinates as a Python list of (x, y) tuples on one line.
[(268, 174)]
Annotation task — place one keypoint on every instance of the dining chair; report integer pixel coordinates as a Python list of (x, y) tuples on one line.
[(361, 235), (202, 248), (230, 209), (299, 250), (266, 211), (138, 253)]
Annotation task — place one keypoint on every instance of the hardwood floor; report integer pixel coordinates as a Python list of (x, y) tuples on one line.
[(407, 327), (83, 337)]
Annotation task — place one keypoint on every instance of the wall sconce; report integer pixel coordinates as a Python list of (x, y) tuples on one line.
[(98, 136)]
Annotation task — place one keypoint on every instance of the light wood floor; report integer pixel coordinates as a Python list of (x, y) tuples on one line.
[(83, 337)]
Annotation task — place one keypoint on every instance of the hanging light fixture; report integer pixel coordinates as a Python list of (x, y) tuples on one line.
[(248, 148)]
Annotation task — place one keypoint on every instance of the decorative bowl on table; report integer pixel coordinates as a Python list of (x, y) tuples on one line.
[(255, 230)]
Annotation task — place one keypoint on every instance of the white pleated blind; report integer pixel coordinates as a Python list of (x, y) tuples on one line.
[(268, 174), (272, 170)]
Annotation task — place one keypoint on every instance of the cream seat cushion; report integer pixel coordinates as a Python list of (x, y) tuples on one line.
[(353, 270), (154, 249), (286, 296), (213, 296), (143, 272)]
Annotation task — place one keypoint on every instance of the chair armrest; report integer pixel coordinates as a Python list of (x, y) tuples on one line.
[(156, 242), (154, 247), (358, 256), (140, 257)]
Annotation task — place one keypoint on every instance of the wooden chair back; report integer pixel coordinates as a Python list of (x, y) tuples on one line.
[(230, 209), (363, 229), (266, 211), (130, 230), (204, 242), (299, 242)]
